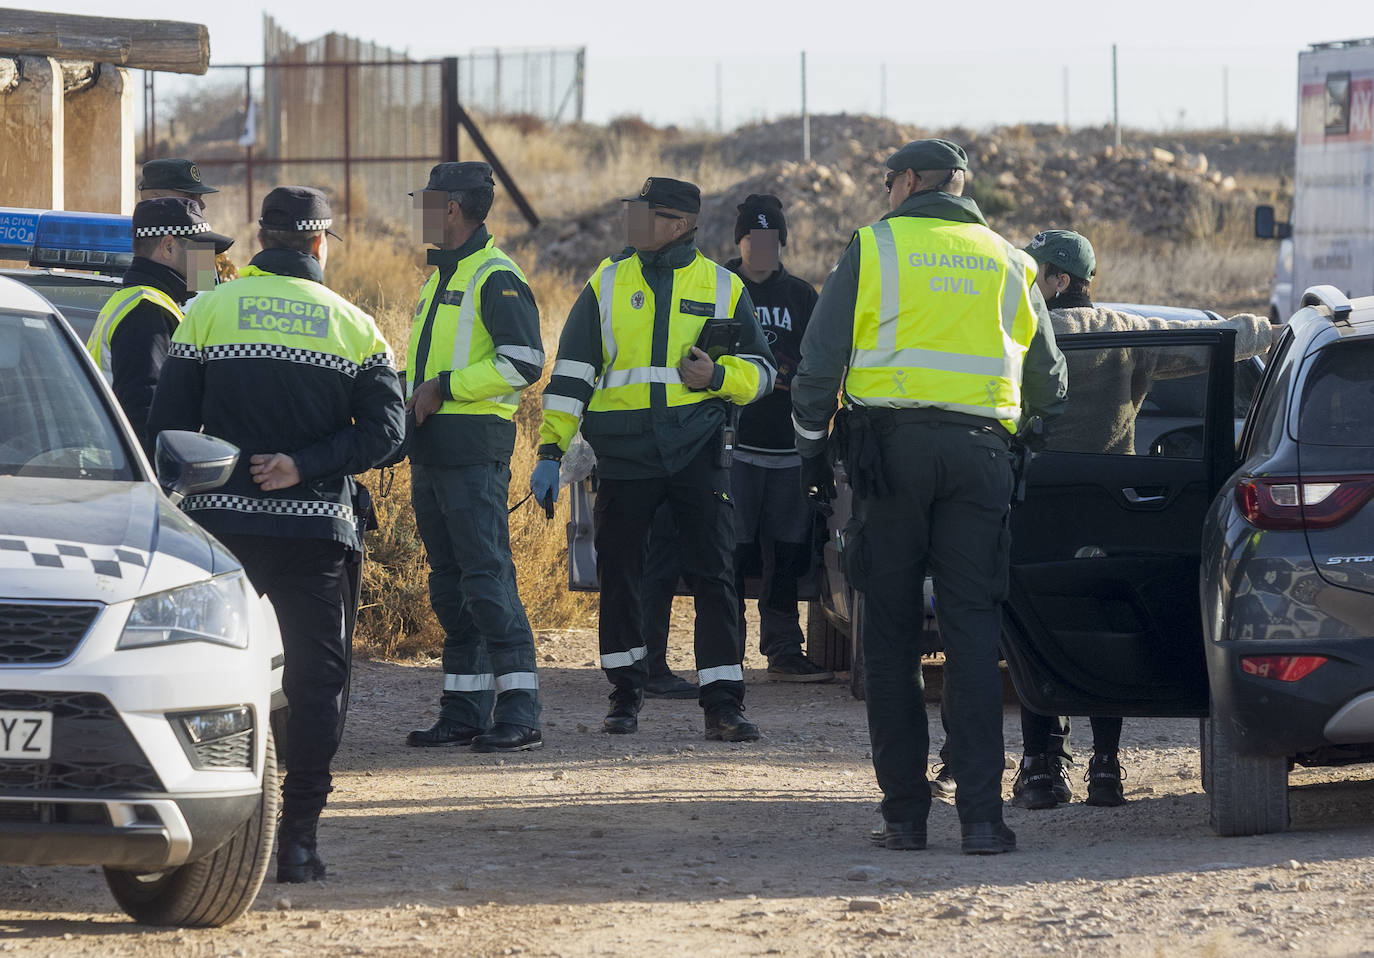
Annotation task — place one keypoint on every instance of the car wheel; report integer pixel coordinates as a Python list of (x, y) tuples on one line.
[(1248, 793), (857, 672), (826, 645), (213, 890)]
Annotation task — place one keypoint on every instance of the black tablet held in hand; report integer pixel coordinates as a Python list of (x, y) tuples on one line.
[(719, 337)]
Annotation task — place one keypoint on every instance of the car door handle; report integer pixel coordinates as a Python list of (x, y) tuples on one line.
[(1140, 497)]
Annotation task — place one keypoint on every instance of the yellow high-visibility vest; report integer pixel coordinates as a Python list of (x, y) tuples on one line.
[(118, 306), (942, 319)]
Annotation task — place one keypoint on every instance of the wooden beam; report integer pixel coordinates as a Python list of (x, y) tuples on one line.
[(9, 74), (168, 45)]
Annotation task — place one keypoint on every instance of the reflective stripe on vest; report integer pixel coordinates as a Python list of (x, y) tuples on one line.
[(615, 384), (462, 339), (121, 304), (471, 341), (961, 364)]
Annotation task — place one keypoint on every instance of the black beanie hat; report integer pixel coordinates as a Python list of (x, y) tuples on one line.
[(761, 211)]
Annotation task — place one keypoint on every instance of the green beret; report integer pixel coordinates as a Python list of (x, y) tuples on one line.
[(1066, 249), (928, 155)]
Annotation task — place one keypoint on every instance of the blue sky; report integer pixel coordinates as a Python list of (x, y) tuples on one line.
[(1181, 64)]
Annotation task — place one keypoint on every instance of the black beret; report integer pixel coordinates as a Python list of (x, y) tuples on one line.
[(761, 211), (928, 155), (670, 194), (176, 216), (173, 174), (456, 177), (297, 209)]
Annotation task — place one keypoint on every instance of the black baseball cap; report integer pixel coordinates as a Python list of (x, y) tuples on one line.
[(670, 194), (176, 216), (297, 209), (173, 174), (456, 177)]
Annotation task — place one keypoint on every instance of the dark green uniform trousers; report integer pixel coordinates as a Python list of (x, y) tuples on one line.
[(950, 487)]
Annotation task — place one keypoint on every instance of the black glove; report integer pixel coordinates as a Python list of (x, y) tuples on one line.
[(818, 478)]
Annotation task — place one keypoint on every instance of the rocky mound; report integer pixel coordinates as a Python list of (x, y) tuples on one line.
[(1024, 178)]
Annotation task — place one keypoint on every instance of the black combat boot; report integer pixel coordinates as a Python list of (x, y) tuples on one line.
[(726, 723), (623, 718), (1104, 777), (297, 860)]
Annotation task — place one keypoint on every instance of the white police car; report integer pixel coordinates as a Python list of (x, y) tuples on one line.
[(138, 667)]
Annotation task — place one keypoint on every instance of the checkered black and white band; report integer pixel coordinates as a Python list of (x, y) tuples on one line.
[(307, 357), (172, 230), (271, 507), (29, 552), (309, 225)]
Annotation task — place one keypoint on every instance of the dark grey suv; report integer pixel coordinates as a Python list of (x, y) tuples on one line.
[(1288, 573)]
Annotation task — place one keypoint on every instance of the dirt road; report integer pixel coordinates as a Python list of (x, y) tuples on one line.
[(664, 844)]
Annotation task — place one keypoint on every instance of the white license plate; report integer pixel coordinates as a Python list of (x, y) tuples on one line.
[(25, 735)]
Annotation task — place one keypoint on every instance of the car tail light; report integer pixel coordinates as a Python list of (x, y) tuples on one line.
[(1317, 502), (1284, 668)]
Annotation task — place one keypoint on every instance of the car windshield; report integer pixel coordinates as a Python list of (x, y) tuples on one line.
[(53, 422)]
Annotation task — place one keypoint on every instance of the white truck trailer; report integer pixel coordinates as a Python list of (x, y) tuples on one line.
[(1329, 239)]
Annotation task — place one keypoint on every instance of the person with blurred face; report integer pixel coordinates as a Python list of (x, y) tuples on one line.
[(772, 517), (174, 249), (632, 375), (474, 346), (303, 383)]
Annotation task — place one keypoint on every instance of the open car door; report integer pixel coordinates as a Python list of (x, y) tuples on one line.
[(1103, 613)]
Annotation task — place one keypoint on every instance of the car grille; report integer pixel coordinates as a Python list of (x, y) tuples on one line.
[(39, 634), (92, 749)]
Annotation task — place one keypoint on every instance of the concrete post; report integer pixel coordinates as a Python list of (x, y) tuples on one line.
[(99, 144), (31, 128)]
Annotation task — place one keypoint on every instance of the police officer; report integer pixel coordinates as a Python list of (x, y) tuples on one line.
[(655, 406), (134, 328), (178, 177), (303, 383), (947, 345), (474, 346), (772, 515)]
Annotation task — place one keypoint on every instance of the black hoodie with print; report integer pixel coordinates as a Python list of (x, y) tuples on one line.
[(783, 304)]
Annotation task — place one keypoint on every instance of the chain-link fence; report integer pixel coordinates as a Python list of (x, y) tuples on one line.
[(547, 84)]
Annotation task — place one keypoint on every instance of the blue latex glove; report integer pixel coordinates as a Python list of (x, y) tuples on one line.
[(544, 482)]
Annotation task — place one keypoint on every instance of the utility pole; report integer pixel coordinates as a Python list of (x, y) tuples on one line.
[(806, 117), (1225, 97), (720, 119), (1116, 112)]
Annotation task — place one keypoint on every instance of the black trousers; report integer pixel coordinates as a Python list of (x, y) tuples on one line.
[(947, 513), (699, 498), (1049, 734), (305, 579)]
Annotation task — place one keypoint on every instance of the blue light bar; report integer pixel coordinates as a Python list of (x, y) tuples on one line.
[(101, 242), (17, 228)]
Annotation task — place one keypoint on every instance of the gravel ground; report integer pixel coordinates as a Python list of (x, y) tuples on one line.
[(663, 842)]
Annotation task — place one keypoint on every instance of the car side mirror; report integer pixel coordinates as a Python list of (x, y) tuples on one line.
[(1267, 227), (1182, 443), (191, 462)]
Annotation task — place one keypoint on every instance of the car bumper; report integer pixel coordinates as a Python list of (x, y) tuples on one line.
[(1333, 705), (144, 833)]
